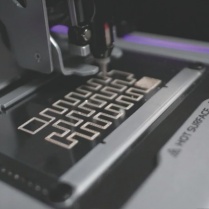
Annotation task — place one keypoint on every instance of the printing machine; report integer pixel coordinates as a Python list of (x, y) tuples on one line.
[(104, 104)]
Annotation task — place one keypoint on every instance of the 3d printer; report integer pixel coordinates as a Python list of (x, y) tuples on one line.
[(86, 124)]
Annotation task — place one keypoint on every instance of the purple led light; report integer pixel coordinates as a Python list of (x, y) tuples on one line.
[(165, 44), (61, 29)]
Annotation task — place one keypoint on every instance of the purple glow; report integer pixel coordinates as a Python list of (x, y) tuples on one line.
[(166, 44), (61, 29)]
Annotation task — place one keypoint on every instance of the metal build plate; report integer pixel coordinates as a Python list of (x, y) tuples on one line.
[(55, 134)]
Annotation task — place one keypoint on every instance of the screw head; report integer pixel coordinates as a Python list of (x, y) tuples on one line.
[(86, 35), (37, 57)]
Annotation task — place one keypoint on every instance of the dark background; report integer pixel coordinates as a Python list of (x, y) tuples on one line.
[(181, 18)]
